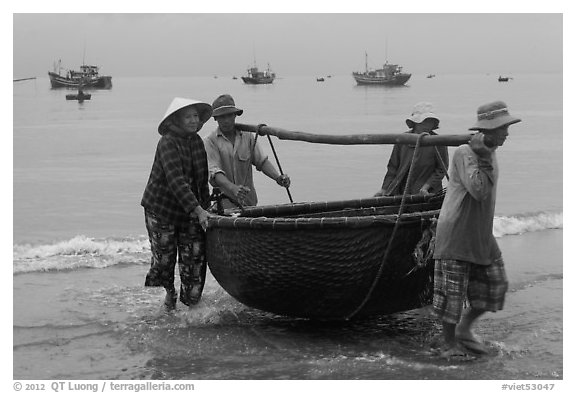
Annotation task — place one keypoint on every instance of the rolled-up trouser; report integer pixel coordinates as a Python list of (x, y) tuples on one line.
[(484, 286), (183, 242)]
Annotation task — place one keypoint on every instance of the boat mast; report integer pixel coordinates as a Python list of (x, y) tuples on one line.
[(366, 60), (386, 50), (84, 54)]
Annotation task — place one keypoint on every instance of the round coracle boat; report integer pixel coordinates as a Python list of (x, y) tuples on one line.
[(328, 260)]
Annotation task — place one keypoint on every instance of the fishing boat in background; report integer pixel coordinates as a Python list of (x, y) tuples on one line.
[(333, 260), (389, 75), (503, 79), (88, 75), (256, 77)]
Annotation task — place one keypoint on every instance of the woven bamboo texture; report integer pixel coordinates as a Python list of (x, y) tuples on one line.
[(300, 261)]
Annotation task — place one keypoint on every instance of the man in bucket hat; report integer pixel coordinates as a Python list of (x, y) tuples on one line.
[(231, 155), (469, 263), (175, 202), (430, 164)]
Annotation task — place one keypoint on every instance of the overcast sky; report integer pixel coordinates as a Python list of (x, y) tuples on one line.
[(294, 44)]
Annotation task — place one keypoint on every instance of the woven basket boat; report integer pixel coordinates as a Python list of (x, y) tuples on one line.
[(326, 260)]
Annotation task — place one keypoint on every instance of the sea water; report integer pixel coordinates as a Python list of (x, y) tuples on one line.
[(80, 253)]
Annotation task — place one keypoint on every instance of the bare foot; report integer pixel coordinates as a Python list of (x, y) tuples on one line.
[(456, 353), (472, 343)]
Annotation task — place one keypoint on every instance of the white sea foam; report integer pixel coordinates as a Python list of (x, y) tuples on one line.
[(85, 252), (79, 252), (517, 225)]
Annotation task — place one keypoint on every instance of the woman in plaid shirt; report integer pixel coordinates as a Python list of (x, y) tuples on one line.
[(175, 202)]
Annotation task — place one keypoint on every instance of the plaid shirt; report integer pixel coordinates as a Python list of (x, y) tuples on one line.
[(179, 178)]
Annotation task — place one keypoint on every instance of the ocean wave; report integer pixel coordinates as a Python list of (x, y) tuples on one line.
[(523, 223), (85, 252), (79, 252)]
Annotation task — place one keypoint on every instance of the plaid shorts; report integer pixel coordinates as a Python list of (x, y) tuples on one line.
[(455, 281)]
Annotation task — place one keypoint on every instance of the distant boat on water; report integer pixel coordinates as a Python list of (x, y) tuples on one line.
[(78, 97), (256, 77), (319, 79), (430, 76), (389, 75), (81, 96), (503, 78), (88, 76)]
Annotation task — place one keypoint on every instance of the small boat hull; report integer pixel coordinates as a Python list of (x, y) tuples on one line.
[(397, 80), (78, 97), (99, 82), (257, 81), (322, 264)]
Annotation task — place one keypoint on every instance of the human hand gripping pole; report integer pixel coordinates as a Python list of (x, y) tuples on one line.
[(282, 180), (480, 147)]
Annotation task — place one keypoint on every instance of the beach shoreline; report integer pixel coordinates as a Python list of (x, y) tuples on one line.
[(102, 323)]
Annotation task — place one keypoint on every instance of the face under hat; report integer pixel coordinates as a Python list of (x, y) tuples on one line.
[(204, 112)]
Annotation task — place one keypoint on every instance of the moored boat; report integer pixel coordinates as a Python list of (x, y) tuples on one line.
[(88, 76), (388, 75), (334, 260), (78, 97), (256, 77)]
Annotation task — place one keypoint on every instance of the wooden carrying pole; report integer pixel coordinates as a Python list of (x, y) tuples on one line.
[(360, 139)]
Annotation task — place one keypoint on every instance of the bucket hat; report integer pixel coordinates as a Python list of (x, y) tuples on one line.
[(493, 115), (204, 111), (421, 112), (224, 105)]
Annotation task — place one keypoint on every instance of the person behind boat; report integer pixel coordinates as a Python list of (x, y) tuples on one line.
[(175, 202), (231, 155), (469, 263), (430, 165)]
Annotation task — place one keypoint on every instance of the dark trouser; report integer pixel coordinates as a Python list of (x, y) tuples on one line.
[(168, 241)]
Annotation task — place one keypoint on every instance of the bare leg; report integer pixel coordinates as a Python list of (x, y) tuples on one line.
[(464, 328), (449, 332), (464, 334), (453, 350)]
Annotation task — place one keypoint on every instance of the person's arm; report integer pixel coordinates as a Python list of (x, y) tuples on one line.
[(202, 216), (237, 192), (261, 162), (218, 177), (269, 170), (477, 172)]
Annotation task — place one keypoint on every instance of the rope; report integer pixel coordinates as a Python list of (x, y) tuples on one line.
[(389, 246), (442, 162)]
